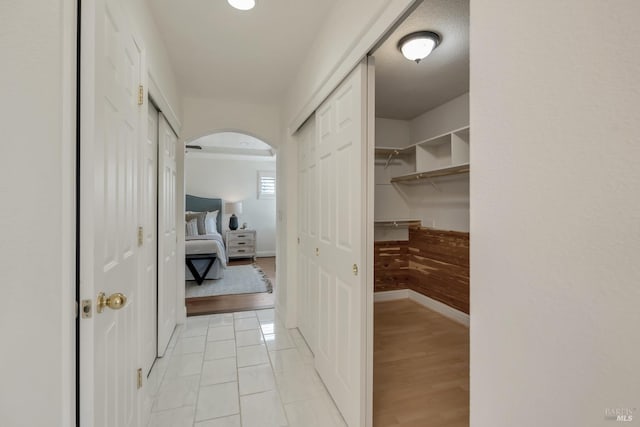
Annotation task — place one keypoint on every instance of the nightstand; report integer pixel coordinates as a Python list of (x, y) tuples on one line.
[(240, 244)]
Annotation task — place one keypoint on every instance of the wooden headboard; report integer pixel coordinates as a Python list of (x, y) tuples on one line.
[(201, 204)]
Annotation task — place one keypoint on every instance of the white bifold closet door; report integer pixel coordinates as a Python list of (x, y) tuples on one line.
[(148, 222), (308, 234), (167, 243), (333, 203)]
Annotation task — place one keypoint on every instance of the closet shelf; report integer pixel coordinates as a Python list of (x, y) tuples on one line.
[(434, 173), (391, 151), (397, 223)]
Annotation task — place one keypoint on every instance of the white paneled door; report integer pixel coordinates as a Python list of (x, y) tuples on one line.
[(109, 253), (167, 243), (333, 239), (148, 221)]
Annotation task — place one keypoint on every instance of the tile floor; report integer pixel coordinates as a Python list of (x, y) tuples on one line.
[(238, 370)]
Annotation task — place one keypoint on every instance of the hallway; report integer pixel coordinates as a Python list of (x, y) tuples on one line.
[(241, 369)]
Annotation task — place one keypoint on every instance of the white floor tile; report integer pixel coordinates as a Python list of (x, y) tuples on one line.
[(262, 410), (246, 338), (219, 371), (180, 417), (182, 365), (245, 324), (316, 412), (232, 421), (255, 379), (266, 315), (220, 349), (221, 333), (286, 360), (189, 345), (217, 401), (253, 355), (195, 331), (225, 319), (279, 341), (237, 370), (194, 322), (244, 314), (304, 350), (177, 392), (299, 384)]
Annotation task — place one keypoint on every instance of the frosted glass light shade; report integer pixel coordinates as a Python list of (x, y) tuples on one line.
[(417, 46), (242, 4)]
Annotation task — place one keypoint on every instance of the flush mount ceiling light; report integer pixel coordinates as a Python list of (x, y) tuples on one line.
[(417, 46), (242, 4)]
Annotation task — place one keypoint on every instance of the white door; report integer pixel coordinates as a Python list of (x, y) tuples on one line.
[(148, 216), (167, 243), (110, 136), (342, 188), (307, 234)]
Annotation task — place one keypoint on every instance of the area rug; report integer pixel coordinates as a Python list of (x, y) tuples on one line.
[(238, 279)]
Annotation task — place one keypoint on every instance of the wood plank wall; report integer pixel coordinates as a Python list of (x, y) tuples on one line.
[(391, 265), (432, 262)]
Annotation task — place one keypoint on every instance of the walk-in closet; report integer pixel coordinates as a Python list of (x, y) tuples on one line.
[(421, 250)]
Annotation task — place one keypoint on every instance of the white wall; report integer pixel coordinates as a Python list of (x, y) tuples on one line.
[(204, 116), (37, 225), (449, 116), (350, 31), (555, 217), (236, 181), (392, 132), (163, 85)]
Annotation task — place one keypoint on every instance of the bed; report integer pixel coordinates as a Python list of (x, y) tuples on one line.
[(210, 243)]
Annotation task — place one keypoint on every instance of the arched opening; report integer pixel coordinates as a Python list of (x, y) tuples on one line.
[(230, 250)]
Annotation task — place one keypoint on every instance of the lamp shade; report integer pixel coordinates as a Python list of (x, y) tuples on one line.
[(233, 208)]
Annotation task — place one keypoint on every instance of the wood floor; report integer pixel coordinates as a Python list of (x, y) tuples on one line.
[(232, 303), (420, 368)]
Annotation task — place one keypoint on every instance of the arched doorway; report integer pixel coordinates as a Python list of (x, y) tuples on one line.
[(235, 174)]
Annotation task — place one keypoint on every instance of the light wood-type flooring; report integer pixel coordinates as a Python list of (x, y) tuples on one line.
[(235, 303), (420, 368)]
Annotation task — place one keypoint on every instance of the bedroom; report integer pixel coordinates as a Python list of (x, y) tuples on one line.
[(232, 176)]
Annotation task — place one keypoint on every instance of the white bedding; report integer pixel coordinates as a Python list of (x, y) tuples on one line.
[(207, 244)]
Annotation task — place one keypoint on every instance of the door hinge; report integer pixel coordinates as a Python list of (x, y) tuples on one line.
[(298, 240), (139, 378), (355, 269), (140, 236), (140, 95)]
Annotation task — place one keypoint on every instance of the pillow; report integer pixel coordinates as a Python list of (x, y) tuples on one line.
[(199, 217), (191, 228), (210, 222)]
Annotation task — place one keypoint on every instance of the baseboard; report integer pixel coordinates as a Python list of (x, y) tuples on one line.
[(437, 306), (391, 295), (265, 254)]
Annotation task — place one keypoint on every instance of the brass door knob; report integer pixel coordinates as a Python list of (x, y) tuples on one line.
[(114, 301)]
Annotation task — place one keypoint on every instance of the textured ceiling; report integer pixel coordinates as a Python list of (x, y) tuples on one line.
[(404, 89), (218, 51)]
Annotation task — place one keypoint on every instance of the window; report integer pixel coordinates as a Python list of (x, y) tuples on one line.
[(266, 184)]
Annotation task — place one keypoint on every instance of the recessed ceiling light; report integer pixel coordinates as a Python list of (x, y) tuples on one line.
[(242, 4), (417, 46)]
